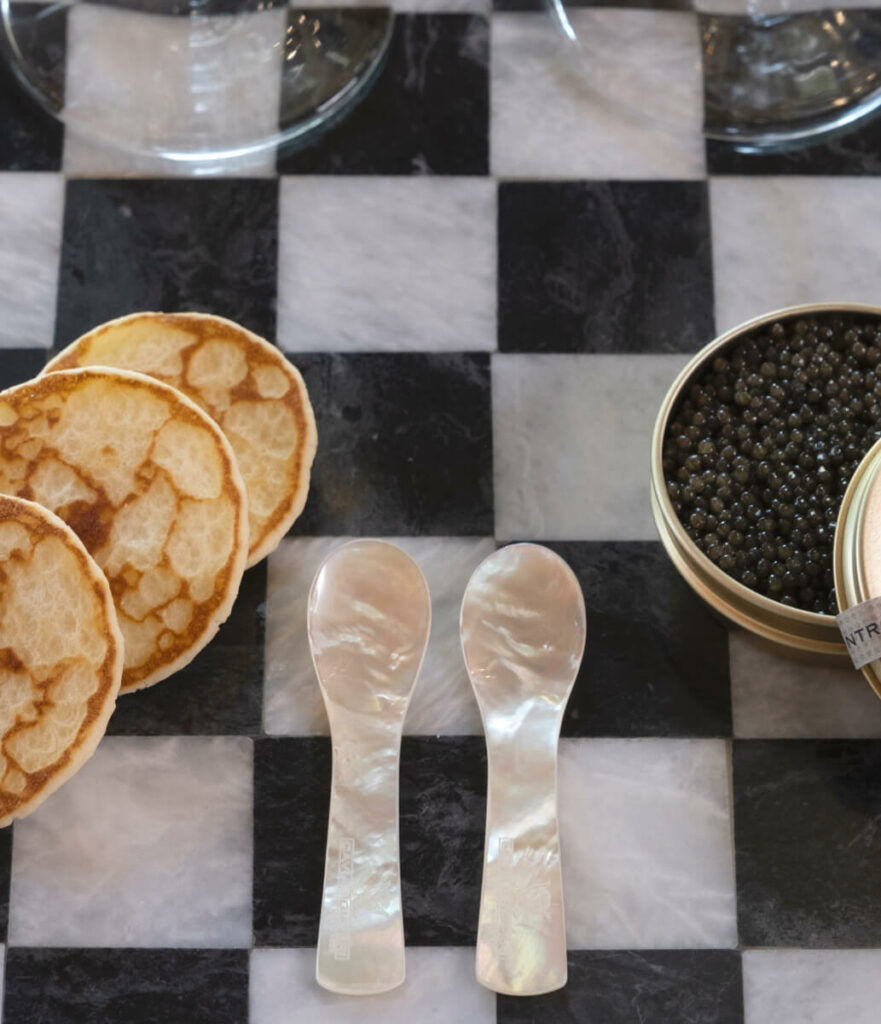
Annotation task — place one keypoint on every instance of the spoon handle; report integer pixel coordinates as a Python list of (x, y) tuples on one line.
[(521, 938), (361, 932)]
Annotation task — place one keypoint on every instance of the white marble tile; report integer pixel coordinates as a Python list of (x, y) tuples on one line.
[(548, 119), (417, 6), (442, 702), (374, 264), (817, 986), (114, 81), (646, 842), (773, 696), (150, 844), (577, 467), (31, 211), (782, 241), (440, 988)]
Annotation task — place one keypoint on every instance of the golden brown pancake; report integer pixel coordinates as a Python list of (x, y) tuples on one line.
[(60, 655), (151, 487), (244, 383)]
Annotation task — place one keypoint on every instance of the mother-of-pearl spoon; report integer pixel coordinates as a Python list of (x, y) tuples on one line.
[(522, 629), (369, 617)]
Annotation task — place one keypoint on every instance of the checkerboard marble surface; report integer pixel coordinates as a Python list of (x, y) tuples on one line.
[(488, 279)]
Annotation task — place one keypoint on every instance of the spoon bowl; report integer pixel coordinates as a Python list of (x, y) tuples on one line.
[(369, 615), (522, 627)]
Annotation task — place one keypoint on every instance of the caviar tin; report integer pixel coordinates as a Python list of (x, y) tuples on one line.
[(813, 636)]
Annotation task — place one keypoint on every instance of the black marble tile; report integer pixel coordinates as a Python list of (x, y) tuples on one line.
[(5, 865), (221, 691), (209, 246), (443, 811), (30, 138), (291, 802), (20, 364), (807, 828), (126, 986), (854, 152), (442, 808), (520, 5), (681, 986), (656, 660), (427, 112), (405, 445), (604, 266)]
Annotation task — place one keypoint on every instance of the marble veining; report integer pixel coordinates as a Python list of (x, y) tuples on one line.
[(31, 139), (137, 244), (291, 796), (404, 444), (652, 987), (30, 212), (575, 468), (604, 266), (443, 810), (807, 827), (817, 237), (646, 843), (801, 986), (547, 121), (776, 697), (149, 845), (355, 274), (137, 986)]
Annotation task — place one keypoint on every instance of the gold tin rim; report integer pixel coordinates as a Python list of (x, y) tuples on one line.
[(847, 559), (792, 628)]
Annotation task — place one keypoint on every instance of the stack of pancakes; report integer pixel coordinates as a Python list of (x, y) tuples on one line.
[(151, 462)]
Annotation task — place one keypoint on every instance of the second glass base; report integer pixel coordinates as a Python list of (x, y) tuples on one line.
[(764, 80)]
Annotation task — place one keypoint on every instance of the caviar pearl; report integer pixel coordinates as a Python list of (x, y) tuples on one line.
[(759, 452)]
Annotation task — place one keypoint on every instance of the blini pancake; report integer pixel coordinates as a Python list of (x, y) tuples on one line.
[(61, 655), (241, 381), (151, 486)]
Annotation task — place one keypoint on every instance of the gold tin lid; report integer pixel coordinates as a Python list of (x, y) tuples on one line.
[(857, 554), (790, 630)]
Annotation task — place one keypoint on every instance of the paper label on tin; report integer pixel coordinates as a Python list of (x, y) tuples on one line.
[(861, 628)]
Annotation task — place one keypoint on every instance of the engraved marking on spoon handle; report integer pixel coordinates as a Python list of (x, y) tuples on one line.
[(521, 941), (361, 932)]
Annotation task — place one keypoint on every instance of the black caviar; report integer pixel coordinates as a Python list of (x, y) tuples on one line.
[(759, 452)]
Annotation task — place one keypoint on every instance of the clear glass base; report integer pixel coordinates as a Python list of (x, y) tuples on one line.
[(209, 81), (769, 76)]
